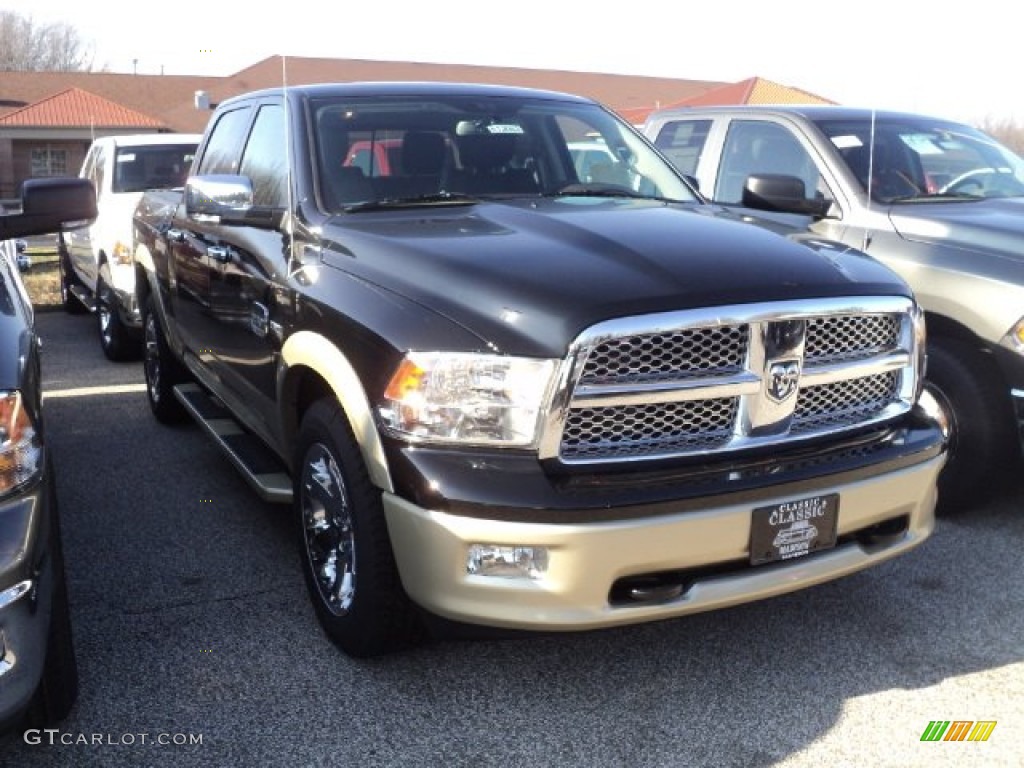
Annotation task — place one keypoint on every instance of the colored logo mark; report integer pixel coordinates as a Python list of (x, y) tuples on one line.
[(958, 730)]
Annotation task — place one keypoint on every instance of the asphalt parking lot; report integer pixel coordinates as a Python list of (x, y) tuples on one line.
[(197, 644)]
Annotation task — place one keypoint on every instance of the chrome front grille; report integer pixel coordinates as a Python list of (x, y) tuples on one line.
[(849, 337), (703, 382), (654, 356), (638, 430), (844, 402)]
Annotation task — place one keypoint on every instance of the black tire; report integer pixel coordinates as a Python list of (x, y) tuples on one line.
[(969, 389), (162, 370), (68, 300), (340, 523), (116, 340), (58, 688)]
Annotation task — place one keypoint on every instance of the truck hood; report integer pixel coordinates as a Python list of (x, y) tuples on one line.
[(528, 276), (994, 226)]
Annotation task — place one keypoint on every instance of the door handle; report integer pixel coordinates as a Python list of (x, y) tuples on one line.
[(219, 254), (259, 319)]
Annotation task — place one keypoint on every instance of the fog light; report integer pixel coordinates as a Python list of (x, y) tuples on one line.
[(504, 562)]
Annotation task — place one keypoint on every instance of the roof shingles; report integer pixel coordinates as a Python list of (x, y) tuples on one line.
[(77, 108)]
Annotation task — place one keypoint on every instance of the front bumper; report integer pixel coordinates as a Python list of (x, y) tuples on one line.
[(26, 588), (128, 309), (882, 514)]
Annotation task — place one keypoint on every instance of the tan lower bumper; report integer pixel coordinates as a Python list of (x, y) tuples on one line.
[(585, 560)]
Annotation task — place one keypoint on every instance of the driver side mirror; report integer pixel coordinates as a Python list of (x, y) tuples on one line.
[(51, 205), (227, 199), (218, 197), (782, 194)]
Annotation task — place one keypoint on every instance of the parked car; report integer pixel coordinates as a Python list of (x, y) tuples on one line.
[(945, 210), (38, 674), (97, 274), (501, 394)]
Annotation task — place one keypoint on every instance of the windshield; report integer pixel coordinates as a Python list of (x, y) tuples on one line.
[(162, 166), (921, 159), (436, 150)]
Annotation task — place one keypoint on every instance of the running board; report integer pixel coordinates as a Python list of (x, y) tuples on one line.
[(258, 465), (83, 296)]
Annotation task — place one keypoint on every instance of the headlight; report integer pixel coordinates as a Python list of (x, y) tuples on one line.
[(467, 398), (1015, 338), (121, 253), (21, 451)]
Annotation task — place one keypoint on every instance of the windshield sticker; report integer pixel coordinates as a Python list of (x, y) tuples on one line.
[(504, 128), (847, 142), (126, 157), (922, 143)]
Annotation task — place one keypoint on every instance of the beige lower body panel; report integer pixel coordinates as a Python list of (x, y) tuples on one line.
[(585, 560)]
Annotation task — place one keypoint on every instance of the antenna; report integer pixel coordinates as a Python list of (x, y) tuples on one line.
[(865, 238)]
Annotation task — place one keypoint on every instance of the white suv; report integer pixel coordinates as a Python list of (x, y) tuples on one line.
[(97, 273)]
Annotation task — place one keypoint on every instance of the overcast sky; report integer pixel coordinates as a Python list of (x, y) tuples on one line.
[(957, 60)]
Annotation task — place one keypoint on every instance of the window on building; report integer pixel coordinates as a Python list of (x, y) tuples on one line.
[(47, 161)]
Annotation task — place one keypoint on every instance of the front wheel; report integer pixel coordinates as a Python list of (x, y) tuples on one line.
[(116, 340), (347, 559), (163, 372), (68, 299), (966, 387)]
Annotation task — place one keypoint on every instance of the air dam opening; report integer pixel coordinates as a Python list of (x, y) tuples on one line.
[(667, 586)]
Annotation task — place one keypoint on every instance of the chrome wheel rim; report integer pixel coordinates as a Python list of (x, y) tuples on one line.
[(152, 359), (327, 530), (104, 315)]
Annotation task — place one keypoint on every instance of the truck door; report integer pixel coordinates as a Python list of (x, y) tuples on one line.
[(248, 276), (79, 242), (190, 241)]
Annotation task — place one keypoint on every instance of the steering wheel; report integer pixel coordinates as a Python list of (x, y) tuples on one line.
[(985, 180)]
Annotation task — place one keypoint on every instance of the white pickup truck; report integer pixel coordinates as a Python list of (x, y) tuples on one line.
[(96, 268)]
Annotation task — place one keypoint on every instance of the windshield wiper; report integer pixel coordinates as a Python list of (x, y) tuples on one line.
[(598, 190), (436, 198), (936, 197)]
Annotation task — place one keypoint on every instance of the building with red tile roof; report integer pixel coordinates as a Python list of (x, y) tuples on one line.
[(753, 90)]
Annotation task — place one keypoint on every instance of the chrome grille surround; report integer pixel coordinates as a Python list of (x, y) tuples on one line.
[(712, 381)]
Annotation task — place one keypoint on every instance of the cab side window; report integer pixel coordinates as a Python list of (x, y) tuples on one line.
[(225, 143), (265, 159), (682, 142), (762, 147)]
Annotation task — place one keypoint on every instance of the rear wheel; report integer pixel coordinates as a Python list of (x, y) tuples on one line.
[(347, 559), (163, 372), (967, 388)]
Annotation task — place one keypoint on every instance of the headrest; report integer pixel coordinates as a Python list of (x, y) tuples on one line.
[(423, 153)]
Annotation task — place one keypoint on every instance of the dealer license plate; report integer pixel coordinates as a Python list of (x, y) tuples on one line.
[(793, 528)]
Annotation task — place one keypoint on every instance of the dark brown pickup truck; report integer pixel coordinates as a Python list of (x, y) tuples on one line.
[(504, 395)]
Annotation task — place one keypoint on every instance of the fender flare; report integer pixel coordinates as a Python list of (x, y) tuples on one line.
[(316, 352)]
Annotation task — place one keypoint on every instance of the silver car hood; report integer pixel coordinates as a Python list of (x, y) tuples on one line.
[(994, 226)]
